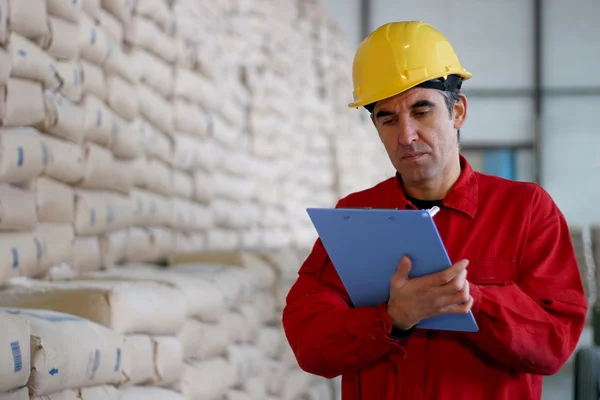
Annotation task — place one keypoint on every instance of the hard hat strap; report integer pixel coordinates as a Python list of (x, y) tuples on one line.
[(451, 84)]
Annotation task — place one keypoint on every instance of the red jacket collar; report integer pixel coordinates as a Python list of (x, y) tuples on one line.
[(462, 197)]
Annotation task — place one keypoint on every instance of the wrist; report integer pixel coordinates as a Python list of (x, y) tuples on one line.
[(399, 320)]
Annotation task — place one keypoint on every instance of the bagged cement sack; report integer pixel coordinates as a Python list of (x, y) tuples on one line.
[(156, 10), (252, 322), (94, 82), (295, 383), (62, 395), (144, 33), (28, 18), (64, 119), (118, 62), (195, 88), (233, 187), (155, 108), (168, 360), (203, 299), (145, 393), (188, 117), (29, 61), (71, 73), (164, 241), (189, 243), (92, 7), (115, 305), (58, 42), (198, 217), (152, 71), (93, 41), (23, 155), (235, 324), (207, 379), (24, 103), (144, 206), (70, 352), (98, 122), (55, 200), (124, 176), (186, 151), (203, 340), (20, 394), (266, 304), (112, 26), (122, 9), (159, 177), (126, 141), (91, 212), (4, 31), (270, 341), (187, 53), (98, 167), (182, 184), (19, 255), (122, 97), (243, 364), (66, 9), (156, 144), (118, 211), (5, 66), (17, 209), (223, 239), (139, 366), (65, 160), (86, 254), (112, 247), (203, 186), (15, 352), (235, 394), (276, 376), (139, 246), (101, 393), (228, 214), (56, 242), (256, 387)]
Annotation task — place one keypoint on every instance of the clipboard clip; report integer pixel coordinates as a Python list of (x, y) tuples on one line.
[(433, 210)]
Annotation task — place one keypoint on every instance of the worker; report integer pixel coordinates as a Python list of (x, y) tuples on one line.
[(514, 264)]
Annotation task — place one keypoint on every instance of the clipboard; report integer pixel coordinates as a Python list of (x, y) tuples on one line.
[(366, 245)]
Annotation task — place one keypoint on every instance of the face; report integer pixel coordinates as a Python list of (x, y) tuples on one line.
[(418, 133)]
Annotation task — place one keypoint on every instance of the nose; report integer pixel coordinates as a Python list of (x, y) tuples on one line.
[(407, 132)]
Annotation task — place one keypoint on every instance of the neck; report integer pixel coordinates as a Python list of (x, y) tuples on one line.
[(438, 188)]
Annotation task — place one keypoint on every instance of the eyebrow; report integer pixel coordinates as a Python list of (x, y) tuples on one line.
[(418, 104)]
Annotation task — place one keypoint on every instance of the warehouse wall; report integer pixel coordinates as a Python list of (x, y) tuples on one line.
[(495, 41)]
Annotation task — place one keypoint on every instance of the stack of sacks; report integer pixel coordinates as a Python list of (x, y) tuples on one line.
[(59, 356), (148, 314)]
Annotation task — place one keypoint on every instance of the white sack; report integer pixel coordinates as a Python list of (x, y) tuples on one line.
[(5, 65), (24, 103), (98, 121), (122, 97), (189, 243), (139, 247), (126, 307), (253, 322), (144, 33), (59, 41), (228, 214), (56, 242), (187, 54), (156, 144), (266, 304), (28, 18), (23, 155), (190, 216), (204, 186), (70, 352), (92, 7), (86, 254), (156, 10), (112, 247), (15, 353), (94, 81), (207, 379), (90, 212), (235, 394), (126, 141), (188, 117), (124, 176), (119, 211), (163, 240), (71, 73), (225, 132), (63, 118), (55, 200), (19, 255), (223, 239), (139, 366), (101, 393), (17, 209), (155, 108), (195, 88), (168, 360), (20, 394), (4, 31), (121, 9), (150, 209), (256, 387), (119, 63), (152, 71), (159, 177), (270, 341), (182, 184), (186, 151), (203, 340), (233, 187), (93, 41), (98, 167), (66, 9), (146, 393), (29, 61), (112, 26), (204, 300), (65, 160)]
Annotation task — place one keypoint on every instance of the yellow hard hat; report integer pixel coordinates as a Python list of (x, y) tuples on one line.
[(401, 55)]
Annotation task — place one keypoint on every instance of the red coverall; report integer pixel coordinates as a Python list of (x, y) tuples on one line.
[(528, 296)]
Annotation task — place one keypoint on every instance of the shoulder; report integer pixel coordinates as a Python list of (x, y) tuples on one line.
[(370, 197)]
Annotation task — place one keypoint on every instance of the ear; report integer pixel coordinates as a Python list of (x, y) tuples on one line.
[(460, 112)]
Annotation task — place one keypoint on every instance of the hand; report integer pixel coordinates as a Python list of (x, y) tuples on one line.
[(413, 300)]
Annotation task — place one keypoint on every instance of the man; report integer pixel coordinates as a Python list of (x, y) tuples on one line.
[(514, 268)]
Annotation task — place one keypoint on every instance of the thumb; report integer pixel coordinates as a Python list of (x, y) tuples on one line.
[(402, 271)]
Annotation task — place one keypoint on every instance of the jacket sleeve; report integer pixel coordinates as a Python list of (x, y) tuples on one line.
[(328, 336), (534, 324)]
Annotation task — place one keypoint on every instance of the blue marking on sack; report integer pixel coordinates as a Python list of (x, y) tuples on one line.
[(15, 257), (49, 318), (38, 248), (22, 53), (53, 371), (93, 217), (15, 347), (95, 363), (98, 117), (93, 36), (45, 154), (118, 363), (20, 156)]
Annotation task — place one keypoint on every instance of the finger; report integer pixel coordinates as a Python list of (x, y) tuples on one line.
[(459, 297), (445, 276), (455, 285), (461, 308), (401, 274)]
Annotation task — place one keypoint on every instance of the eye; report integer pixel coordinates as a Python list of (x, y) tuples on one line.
[(421, 113)]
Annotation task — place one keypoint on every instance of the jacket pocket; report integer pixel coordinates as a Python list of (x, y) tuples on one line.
[(498, 272)]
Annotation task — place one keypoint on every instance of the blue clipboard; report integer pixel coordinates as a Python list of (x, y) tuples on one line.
[(366, 245)]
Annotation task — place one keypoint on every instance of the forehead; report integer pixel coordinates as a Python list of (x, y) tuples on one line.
[(408, 98)]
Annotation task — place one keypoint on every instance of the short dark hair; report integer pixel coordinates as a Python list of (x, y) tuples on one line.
[(450, 98)]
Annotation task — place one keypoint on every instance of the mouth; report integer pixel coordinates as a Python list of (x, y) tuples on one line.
[(412, 156)]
